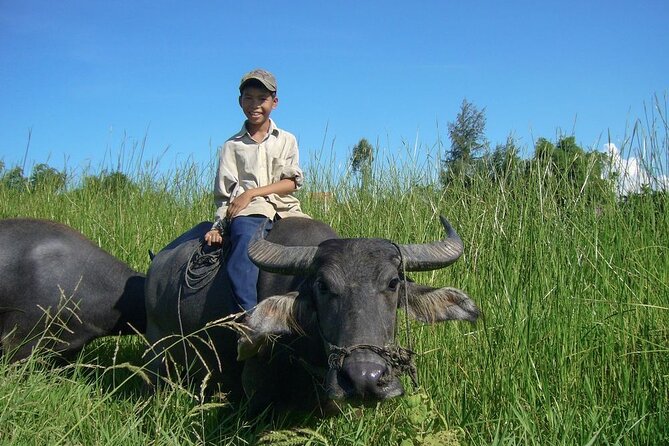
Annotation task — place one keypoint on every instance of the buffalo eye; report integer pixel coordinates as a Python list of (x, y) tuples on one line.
[(394, 283)]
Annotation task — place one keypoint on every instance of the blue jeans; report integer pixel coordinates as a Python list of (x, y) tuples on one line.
[(243, 273)]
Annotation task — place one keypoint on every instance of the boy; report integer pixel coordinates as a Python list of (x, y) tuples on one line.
[(257, 172)]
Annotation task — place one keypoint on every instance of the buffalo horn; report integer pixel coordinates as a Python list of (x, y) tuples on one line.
[(281, 259), (431, 256)]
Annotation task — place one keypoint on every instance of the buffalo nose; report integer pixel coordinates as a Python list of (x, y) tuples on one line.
[(371, 380)]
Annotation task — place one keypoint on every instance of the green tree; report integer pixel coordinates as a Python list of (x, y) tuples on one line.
[(573, 171), (504, 162), (468, 142), (108, 182), (362, 159), (543, 150), (44, 177), (13, 179)]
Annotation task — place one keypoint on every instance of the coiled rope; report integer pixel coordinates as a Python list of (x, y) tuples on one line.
[(202, 267)]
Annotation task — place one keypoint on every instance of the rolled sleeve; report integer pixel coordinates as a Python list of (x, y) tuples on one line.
[(291, 168), (294, 173)]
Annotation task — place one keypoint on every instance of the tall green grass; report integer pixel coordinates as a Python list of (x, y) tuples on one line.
[(573, 347)]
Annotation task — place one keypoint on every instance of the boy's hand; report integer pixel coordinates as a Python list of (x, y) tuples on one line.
[(239, 203), (213, 237)]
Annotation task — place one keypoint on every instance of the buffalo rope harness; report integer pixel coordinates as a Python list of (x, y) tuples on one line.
[(203, 266), (400, 360)]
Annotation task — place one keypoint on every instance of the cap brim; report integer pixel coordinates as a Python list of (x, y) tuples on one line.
[(267, 85)]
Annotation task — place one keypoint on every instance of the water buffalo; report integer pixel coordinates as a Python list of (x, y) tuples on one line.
[(324, 327), (59, 291)]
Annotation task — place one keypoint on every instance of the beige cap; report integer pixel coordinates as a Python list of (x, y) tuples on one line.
[(265, 77)]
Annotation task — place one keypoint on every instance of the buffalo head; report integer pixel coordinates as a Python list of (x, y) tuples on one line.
[(350, 300)]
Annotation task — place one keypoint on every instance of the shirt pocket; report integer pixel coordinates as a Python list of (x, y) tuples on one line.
[(277, 167)]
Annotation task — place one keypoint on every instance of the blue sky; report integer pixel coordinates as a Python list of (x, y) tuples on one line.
[(90, 80)]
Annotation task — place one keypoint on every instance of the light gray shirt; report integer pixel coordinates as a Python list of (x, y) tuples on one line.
[(245, 164)]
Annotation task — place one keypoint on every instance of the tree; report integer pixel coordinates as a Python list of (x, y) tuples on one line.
[(572, 171), (13, 179), (46, 177), (504, 161), (468, 141), (362, 156), (543, 150), (108, 182), (467, 133), (361, 160)]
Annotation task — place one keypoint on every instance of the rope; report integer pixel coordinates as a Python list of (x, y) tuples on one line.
[(200, 270), (406, 299), (400, 360), (414, 378), (202, 267)]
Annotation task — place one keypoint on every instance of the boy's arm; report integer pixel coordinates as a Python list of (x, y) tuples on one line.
[(224, 183), (281, 187)]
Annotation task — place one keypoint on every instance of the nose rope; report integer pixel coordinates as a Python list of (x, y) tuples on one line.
[(400, 359), (414, 378), (406, 298)]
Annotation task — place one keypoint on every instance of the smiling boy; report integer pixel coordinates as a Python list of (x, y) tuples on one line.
[(257, 172)]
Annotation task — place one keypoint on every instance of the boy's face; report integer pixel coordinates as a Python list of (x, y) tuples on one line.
[(257, 104)]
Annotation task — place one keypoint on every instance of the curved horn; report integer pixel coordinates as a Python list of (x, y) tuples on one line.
[(275, 258), (430, 256)]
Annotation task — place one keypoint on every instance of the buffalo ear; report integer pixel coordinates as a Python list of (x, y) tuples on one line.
[(273, 317), (430, 305)]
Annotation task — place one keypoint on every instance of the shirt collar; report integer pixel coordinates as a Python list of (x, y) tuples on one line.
[(273, 130)]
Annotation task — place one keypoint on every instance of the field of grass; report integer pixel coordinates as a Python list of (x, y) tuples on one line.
[(573, 347)]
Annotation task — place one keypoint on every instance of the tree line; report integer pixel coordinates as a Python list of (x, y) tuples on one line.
[(45, 177), (470, 156)]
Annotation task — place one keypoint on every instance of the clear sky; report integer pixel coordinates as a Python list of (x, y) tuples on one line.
[(92, 79)]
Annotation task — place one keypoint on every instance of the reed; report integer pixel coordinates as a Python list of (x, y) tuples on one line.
[(573, 347)]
